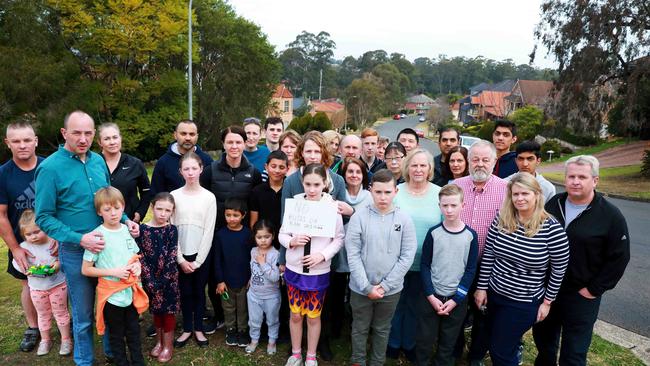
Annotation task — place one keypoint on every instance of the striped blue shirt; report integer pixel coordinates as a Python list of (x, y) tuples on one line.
[(525, 268)]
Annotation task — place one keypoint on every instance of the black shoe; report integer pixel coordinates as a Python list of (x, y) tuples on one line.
[(209, 327), (203, 343), (181, 344), (231, 337), (151, 331), (110, 360), (324, 350), (30, 339), (410, 355), (392, 353), (243, 339)]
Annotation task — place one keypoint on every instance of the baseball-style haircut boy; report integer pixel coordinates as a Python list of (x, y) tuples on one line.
[(529, 146), (279, 155), (236, 204), (451, 190), (383, 176), (108, 196)]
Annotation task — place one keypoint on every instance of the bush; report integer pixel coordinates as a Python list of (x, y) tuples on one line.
[(645, 164), (529, 121), (471, 130), (569, 137), (485, 132), (321, 122), (551, 145)]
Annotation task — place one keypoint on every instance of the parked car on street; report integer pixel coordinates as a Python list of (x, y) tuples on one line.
[(397, 116), (422, 119), (467, 141), (419, 132), (402, 116)]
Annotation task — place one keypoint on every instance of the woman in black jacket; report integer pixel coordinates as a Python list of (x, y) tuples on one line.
[(128, 173)]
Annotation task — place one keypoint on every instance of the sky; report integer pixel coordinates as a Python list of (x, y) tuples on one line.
[(496, 29)]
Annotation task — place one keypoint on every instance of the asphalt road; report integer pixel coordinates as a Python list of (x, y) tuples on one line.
[(627, 305), (392, 127)]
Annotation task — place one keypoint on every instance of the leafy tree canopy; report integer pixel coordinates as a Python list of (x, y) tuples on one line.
[(601, 47)]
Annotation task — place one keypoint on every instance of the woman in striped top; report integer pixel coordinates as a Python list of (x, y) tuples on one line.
[(526, 254)]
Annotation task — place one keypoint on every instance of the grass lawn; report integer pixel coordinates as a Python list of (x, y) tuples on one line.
[(590, 150), (12, 324), (624, 180)]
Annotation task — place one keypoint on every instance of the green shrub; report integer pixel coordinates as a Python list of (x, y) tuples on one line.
[(551, 145), (584, 140), (645, 164), (471, 130), (485, 132)]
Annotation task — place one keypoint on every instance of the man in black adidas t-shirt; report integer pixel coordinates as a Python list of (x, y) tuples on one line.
[(17, 195)]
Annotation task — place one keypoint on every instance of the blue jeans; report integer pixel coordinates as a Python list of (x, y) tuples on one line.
[(81, 290), (508, 321), (405, 319)]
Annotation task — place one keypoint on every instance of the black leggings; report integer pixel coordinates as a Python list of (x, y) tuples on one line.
[(192, 291)]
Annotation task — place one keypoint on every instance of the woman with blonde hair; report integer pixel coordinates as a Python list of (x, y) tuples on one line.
[(526, 254), (333, 139)]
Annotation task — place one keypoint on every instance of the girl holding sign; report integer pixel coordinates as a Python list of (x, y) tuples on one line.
[(308, 261)]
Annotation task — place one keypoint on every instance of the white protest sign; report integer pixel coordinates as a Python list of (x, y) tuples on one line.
[(314, 218)]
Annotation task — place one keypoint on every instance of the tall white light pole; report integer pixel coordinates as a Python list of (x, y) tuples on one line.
[(189, 61)]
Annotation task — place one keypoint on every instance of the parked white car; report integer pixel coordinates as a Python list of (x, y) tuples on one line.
[(467, 141)]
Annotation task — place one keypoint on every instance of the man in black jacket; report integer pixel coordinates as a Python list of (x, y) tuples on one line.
[(600, 250)]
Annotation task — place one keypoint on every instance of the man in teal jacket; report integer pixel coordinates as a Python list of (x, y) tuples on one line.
[(66, 183)]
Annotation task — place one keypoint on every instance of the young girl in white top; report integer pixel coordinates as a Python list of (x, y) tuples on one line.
[(194, 216), (306, 289), (47, 286)]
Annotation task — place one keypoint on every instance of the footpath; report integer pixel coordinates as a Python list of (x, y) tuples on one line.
[(638, 344)]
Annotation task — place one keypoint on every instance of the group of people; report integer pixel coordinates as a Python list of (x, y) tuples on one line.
[(421, 245)]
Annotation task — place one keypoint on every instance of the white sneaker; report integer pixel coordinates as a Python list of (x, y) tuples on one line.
[(66, 348), (311, 363), (294, 361), (44, 348), (271, 349), (251, 347)]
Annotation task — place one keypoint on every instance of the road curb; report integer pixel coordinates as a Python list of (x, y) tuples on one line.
[(638, 344)]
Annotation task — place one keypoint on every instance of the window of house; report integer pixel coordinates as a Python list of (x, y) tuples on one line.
[(286, 106)]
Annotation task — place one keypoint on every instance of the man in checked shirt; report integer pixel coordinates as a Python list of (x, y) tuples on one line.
[(484, 194)]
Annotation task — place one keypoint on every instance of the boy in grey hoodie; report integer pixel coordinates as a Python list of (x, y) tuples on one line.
[(381, 244)]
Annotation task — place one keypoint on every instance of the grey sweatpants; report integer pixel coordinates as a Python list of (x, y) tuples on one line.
[(375, 314), (257, 308)]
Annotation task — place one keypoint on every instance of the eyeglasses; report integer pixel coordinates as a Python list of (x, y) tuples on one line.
[(395, 159)]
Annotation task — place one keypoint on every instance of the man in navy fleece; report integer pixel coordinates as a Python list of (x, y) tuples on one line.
[(166, 175)]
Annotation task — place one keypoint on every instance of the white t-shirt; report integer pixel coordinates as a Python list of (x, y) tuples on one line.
[(42, 256)]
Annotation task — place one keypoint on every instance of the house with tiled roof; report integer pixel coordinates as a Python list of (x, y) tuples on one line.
[(529, 92), (485, 101), (490, 104), (419, 104), (281, 104), (333, 108)]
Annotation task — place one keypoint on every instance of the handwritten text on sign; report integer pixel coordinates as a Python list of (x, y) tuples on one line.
[(314, 218)]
